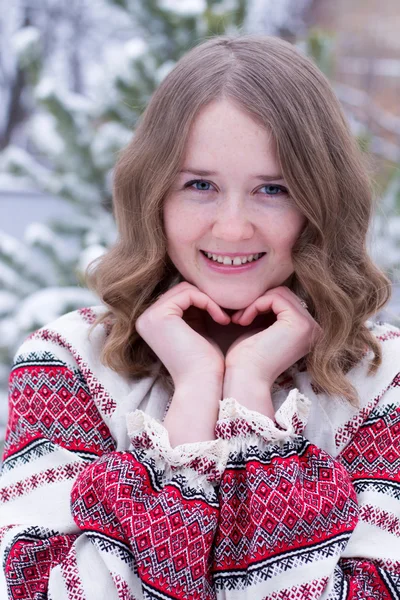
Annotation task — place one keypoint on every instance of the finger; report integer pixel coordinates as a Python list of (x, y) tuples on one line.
[(192, 296), (261, 305), (270, 301), (294, 301), (212, 307), (176, 289), (285, 292), (236, 316)]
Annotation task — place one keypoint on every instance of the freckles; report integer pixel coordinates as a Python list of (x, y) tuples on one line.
[(283, 233), (288, 229), (177, 222), (186, 231)]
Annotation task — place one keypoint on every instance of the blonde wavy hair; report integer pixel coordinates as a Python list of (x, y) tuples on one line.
[(325, 172)]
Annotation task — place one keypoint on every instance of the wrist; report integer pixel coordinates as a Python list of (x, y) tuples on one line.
[(193, 411), (211, 380), (250, 391)]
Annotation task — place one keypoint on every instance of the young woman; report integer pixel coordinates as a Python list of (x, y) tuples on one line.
[(227, 423)]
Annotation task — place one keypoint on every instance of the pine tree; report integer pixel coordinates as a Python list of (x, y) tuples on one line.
[(75, 141)]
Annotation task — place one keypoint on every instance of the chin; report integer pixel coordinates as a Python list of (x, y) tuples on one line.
[(234, 304), (238, 300)]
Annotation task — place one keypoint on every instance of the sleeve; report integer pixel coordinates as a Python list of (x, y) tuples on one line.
[(79, 519), (165, 503), (287, 513), (370, 564), (54, 432)]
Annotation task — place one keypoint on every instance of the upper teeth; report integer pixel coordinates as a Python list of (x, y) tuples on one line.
[(238, 260)]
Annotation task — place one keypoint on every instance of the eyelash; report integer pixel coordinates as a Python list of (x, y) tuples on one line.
[(190, 183)]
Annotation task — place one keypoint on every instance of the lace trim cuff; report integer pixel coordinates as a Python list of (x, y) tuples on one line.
[(206, 458), (235, 420)]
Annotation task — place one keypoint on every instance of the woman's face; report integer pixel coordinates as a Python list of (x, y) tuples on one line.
[(230, 198)]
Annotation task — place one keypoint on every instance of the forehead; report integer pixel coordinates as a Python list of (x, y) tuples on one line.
[(223, 131)]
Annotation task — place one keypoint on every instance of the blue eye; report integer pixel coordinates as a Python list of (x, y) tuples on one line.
[(199, 182), (281, 190), (200, 185)]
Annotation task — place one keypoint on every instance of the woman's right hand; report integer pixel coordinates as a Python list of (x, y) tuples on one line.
[(183, 351)]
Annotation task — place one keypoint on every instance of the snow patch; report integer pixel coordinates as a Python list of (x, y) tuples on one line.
[(45, 306), (184, 7), (16, 161), (8, 302), (26, 44), (14, 183), (135, 48), (12, 248), (40, 235), (9, 332), (42, 129), (109, 139), (88, 255), (48, 89)]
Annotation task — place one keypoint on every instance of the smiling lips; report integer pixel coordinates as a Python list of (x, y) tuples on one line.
[(233, 254), (229, 266), (232, 259)]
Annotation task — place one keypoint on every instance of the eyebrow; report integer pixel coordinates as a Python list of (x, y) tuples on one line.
[(204, 173)]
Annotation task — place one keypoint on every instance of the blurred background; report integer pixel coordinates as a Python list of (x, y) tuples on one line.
[(74, 78)]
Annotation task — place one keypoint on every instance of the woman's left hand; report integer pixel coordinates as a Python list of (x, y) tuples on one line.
[(266, 353)]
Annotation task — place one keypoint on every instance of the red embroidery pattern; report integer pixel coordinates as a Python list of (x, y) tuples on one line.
[(366, 581), (88, 314), (233, 428), (306, 591), (27, 485), (276, 509), (170, 533), (381, 518), (122, 588), (30, 560), (390, 335), (100, 395), (70, 571), (374, 453), (345, 433), (47, 400)]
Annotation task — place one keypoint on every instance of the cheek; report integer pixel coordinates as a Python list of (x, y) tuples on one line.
[(287, 232), (181, 227)]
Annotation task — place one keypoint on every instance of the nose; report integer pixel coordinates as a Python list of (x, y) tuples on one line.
[(232, 223)]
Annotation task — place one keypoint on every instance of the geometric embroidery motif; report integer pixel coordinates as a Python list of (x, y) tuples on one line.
[(122, 588), (381, 518), (101, 397), (345, 434), (171, 537), (49, 476), (49, 400), (32, 555), (277, 506), (372, 459), (368, 580), (70, 571)]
